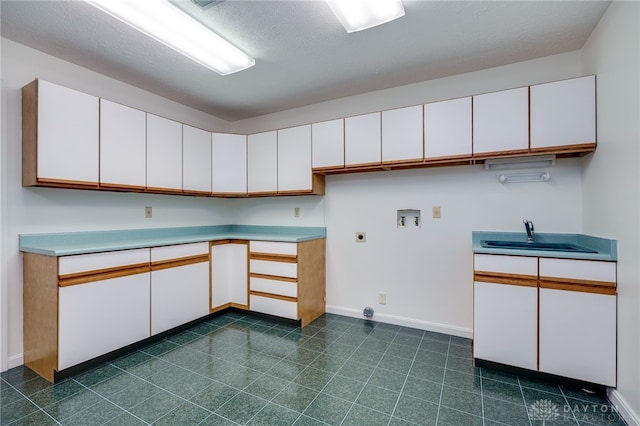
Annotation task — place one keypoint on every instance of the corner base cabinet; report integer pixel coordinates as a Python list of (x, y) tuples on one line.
[(555, 316)]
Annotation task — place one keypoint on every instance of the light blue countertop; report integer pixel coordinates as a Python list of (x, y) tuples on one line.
[(68, 243), (606, 249)]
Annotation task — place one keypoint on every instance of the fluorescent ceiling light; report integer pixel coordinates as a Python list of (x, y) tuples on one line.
[(167, 24), (524, 177), (528, 162), (357, 15)]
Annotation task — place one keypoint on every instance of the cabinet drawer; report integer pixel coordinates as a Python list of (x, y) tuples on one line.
[(282, 288), (98, 261), (271, 306), (179, 251), (273, 247), (515, 265), (278, 269), (571, 269)]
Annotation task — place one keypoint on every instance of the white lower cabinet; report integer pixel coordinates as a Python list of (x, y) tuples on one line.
[(505, 324), (578, 335), (98, 317), (229, 274)]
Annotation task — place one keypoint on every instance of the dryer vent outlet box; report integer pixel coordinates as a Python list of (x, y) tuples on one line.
[(409, 218)]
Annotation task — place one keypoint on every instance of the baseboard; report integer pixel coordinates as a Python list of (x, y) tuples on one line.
[(15, 361), (403, 321), (631, 417)]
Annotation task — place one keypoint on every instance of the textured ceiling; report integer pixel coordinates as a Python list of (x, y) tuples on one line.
[(303, 55)]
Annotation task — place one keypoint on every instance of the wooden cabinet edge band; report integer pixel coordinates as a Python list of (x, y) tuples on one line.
[(121, 187), (105, 274), (222, 242), (507, 281), (165, 190), (582, 288), (566, 148), (286, 258), (183, 261), (273, 277), (484, 276), (573, 281), (68, 183), (273, 296)]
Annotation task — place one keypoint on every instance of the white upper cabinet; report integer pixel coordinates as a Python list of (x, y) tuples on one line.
[(229, 164), (294, 159), (196, 160), (501, 122), (362, 140), (328, 144), (123, 139), (164, 153), (66, 132), (402, 134), (447, 129), (563, 113), (262, 163)]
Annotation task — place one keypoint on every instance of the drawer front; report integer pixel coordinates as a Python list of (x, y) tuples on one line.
[(97, 261), (588, 270), (516, 265), (282, 288), (273, 247), (278, 269), (178, 251), (271, 306)]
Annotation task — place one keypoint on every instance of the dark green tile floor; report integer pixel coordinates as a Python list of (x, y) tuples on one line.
[(238, 369)]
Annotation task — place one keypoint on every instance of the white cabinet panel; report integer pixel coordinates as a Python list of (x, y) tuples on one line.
[(578, 335), (402, 134), (294, 159), (589, 270), (102, 316), (272, 306), (179, 295), (123, 139), (97, 261), (328, 144), (563, 113), (278, 269), (520, 265), (501, 121), (505, 324), (229, 274), (273, 247), (178, 251), (262, 162), (229, 164), (362, 139), (196, 160), (272, 286), (447, 129), (164, 153), (67, 134)]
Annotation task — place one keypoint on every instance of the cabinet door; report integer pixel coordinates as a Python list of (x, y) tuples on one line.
[(362, 140), (262, 163), (229, 164), (98, 317), (578, 335), (67, 135), (447, 129), (229, 275), (501, 122), (294, 159), (563, 113), (164, 154), (123, 137), (179, 295), (196, 160), (327, 144), (505, 324), (402, 134)]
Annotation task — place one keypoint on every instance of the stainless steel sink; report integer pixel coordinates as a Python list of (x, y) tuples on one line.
[(534, 245)]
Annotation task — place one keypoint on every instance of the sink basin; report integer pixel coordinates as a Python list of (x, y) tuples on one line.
[(523, 245)]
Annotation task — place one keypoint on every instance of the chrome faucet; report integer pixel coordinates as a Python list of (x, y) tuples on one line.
[(528, 225)]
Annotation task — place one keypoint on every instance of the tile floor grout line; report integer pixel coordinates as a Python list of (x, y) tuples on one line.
[(25, 396), (524, 400), (481, 397), (444, 375)]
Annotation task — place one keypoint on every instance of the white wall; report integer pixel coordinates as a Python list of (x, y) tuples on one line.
[(611, 180), (33, 210), (426, 273)]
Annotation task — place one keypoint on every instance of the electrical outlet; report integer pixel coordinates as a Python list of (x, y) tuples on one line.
[(361, 237), (148, 213), (382, 298), (296, 212), (436, 212)]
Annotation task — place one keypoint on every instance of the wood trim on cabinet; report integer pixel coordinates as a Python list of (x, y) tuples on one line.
[(566, 149), (30, 134), (230, 194), (578, 282), (71, 184), (196, 193), (273, 296), (273, 277), (500, 154), (579, 287), (510, 279), (175, 263), (170, 191), (40, 313), (272, 257), (103, 274), (311, 280), (121, 187)]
